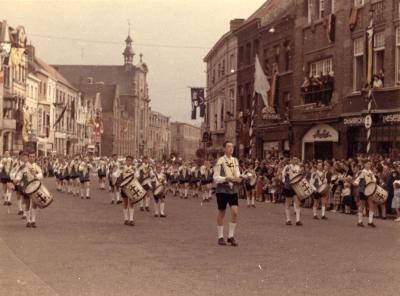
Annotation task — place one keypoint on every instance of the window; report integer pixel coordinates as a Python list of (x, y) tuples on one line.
[(310, 8), (321, 67), (232, 63), (248, 53), (223, 68), (398, 55), (379, 52), (377, 9), (358, 64), (358, 3), (288, 56), (321, 8)]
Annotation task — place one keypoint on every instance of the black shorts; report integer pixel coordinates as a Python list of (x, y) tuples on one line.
[(249, 187), (223, 199), (317, 195), (288, 192), (347, 200), (5, 180), (158, 197), (101, 175), (362, 196)]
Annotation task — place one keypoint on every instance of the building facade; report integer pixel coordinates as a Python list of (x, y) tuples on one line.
[(314, 56), (159, 136), (132, 107), (185, 140), (220, 119)]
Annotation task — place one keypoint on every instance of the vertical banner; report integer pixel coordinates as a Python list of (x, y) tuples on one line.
[(369, 38), (198, 100)]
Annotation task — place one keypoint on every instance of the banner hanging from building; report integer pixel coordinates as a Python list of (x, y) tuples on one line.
[(198, 101)]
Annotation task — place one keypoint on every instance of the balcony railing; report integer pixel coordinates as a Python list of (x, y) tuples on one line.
[(320, 97)]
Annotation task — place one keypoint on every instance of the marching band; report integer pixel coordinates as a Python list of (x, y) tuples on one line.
[(145, 182)]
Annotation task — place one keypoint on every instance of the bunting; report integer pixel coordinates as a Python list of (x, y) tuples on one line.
[(61, 115)]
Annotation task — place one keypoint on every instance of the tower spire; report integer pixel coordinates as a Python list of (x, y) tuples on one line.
[(128, 52)]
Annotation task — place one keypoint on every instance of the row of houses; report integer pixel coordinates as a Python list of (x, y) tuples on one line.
[(314, 55), (68, 109)]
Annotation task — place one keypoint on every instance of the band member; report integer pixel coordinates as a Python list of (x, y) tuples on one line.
[(102, 173), (206, 175), (319, 182), (366, 176), (28, 171), (127, 206), (250, 185), (144, 175), (226, 175), (113, 173), (56, 172), (74, 175), (288, 193), (64, 175), (84, 177), (16, 165), (5, 170), (159, 183), (183, 181)]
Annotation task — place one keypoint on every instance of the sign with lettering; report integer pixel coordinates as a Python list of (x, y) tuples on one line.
[(354, 121), (321, 133), (391, 118), (368, 121)]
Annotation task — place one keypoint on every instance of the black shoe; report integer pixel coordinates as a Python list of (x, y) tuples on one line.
[(28, 224), (33, 225), (81, 197), (126, 222), (316, 218), (232, 241), (298, 223), (324, 218), (372, 225), (141, 209), (360, 224), (87, 197), (221, 241), (20, 213), (253, 206), (131, 223), (23, 217), (112, 202), (288, 222), (147, 209), (119, 202), (156, 215), (163, 216)]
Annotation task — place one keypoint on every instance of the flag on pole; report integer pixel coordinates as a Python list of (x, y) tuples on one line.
[(370, 51), (61, 115), (261, 84), (198, 100)]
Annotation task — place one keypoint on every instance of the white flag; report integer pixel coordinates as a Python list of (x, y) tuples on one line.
[(261, 84)]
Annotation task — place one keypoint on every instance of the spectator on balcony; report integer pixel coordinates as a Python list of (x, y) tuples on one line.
[(382, 76), (377, 83)]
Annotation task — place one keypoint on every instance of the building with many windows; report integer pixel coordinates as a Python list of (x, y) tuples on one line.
[(185, 140)]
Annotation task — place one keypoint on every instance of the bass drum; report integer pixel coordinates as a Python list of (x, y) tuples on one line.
[(39, 193), (159, 191), (301, 186), (376, 193), (132, 189)]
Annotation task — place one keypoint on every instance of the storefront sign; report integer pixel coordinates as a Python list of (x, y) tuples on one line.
[(321, 133), (391, 118), (271, 116), (354, 121)]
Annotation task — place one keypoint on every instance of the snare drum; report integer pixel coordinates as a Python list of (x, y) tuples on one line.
[(159, 191), (39, 193), (147, 184), (301, 186), (323, 189), (132, 189), (376, 192)]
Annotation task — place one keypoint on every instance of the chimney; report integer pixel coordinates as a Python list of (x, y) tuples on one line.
[(90, 80), (31, 52), (235, 23)]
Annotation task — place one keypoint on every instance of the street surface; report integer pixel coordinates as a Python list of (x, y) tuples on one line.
[(81, 247)]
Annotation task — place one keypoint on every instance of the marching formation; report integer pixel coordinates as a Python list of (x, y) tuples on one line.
[(366, 186)]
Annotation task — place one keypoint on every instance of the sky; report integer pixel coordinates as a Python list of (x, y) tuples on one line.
[(173, 35)]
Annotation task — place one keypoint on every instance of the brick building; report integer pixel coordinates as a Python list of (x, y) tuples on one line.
[(133, 97), (314, 56)]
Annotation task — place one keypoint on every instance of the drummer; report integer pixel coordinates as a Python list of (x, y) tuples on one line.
[(28, 171), (366, 176), (102, 173), (127, 206), (85, 169), (113, 172), (143, 173), (5, 170), (292, 169), (159, 179), (319, 182)]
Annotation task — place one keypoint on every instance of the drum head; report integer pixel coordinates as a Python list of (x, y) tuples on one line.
[(32, 186), (370, 189), (126, 180), (296, 179)]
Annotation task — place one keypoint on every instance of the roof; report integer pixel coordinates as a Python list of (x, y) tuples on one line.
[(108, 92), (109, 74), (217, 45), (53, 72)]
